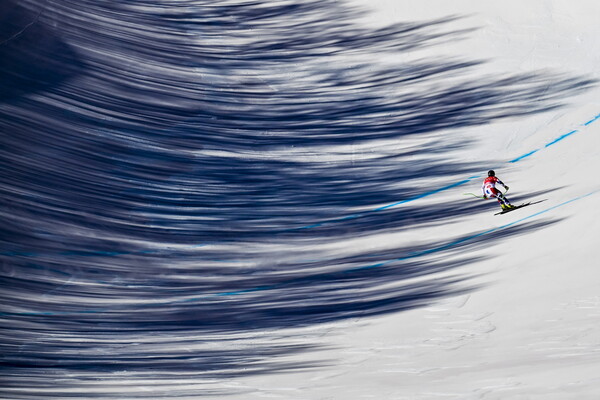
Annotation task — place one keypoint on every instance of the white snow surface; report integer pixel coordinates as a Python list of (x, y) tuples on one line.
[(531, 328)]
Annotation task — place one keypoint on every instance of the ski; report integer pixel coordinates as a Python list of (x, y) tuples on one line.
[(514, 208)]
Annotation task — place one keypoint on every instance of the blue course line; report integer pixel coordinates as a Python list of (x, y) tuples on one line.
[(442, 189), (377, 265), (315, 225), (558, 139), (420, 196), (591, 121), (457, 242), (524, 156), (358, 215)]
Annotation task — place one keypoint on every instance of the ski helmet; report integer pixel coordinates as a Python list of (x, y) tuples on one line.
[(491, 173)]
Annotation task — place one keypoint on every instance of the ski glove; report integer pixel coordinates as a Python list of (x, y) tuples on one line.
[(506, 187)]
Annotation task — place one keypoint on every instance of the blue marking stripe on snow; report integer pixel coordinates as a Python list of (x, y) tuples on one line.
[(558, 139), (420, 196), (591, 121), (541, 212), (417, 197), (377, 265), (318, 224), (466, 239), (524, 156)]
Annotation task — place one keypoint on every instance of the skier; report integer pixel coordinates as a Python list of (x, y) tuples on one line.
[(489, 190)]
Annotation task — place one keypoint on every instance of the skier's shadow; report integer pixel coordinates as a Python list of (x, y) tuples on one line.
[(537, 201)]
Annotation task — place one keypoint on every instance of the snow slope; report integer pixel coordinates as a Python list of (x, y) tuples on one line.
[(248, 200), (530, 331)]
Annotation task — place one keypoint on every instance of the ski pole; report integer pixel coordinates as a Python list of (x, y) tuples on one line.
[(474, 195)]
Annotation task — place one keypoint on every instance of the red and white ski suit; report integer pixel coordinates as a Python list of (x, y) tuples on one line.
[(489, 189)]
